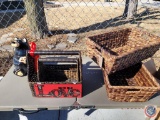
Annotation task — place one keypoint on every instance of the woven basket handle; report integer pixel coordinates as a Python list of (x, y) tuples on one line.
[(133, 91)]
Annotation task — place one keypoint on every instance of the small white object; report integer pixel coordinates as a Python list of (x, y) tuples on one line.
[(50, 33), (72, 37), (39, 83), (22, 117), (24, 40), (15, 38), (1, 77), (74, 81), (50, 46), (61, 46), (22, 60)]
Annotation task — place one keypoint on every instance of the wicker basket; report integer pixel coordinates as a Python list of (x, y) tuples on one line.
[(132, 84), (121, 48), (55, 73)]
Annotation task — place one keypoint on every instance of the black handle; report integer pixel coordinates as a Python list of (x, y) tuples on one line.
[(38, 52), (22, 111), (58, 59)]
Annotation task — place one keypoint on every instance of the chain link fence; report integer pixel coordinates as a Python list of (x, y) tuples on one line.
[(74, 19)]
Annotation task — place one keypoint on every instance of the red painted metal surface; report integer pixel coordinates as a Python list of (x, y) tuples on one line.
[(36, 57), (32, 48), (58, 90)]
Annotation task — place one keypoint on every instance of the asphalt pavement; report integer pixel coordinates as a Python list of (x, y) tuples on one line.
[(81, 114)]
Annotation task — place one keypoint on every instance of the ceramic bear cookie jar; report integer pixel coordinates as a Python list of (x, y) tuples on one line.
[(19, 60)]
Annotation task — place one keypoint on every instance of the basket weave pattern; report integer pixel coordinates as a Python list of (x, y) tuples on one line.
[(133, 84), (59, 73), (122, 48)]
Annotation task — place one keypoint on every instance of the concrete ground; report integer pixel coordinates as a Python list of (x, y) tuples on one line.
[(81, 114)]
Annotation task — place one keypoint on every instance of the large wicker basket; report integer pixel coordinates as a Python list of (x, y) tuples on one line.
[(121, 48), (132, 84)]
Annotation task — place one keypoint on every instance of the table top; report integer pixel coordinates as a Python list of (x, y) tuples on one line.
[(15, 92)]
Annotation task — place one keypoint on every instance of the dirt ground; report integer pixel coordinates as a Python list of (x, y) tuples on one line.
[(84, 21)]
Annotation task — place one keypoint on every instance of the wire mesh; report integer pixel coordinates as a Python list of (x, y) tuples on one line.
[(5, 62), (81, 17)]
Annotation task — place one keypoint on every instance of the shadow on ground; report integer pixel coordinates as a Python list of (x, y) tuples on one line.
[(9, 115), (42, 115), (11, 5), (92, 78), (10, 12), (117, 21), (8, 18)]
